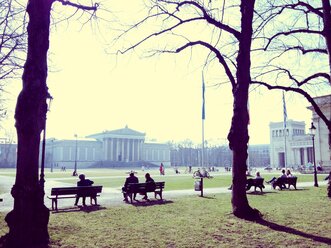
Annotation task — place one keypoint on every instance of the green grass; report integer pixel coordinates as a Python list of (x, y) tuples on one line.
[(292, 219), (177, 182), (115, 178)]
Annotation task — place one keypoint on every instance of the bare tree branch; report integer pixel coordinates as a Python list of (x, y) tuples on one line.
[(217, 53), (296, 31), (79, 6), (299, 91)]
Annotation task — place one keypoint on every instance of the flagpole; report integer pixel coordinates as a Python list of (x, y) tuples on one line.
[(203, 144), (284, 130), (203, 122)]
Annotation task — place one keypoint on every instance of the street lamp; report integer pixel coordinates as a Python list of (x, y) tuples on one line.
[(49, 99), (52, 162), (312, 131), (75, 170)]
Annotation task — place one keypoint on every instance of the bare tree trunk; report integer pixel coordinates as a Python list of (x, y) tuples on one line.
[(28, 220), (327, 28), (327, 35), (238, 135)]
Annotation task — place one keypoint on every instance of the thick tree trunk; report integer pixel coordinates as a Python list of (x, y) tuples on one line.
[(28, 220), (327, 28), (238, 135)]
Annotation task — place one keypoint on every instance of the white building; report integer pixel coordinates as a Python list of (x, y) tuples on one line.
[(296, 147), (322, 138), (121, 147)]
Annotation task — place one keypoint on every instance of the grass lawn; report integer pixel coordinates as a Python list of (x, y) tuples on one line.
[(115, 177), (291, 219)]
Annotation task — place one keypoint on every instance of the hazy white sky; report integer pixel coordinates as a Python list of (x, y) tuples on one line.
[(94, 91)]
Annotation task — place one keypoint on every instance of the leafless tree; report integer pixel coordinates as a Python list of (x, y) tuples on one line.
[(201, 26), (297, 43), (12, 44), (28, 221)]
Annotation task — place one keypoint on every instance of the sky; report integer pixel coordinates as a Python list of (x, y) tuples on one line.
[(94, 91)]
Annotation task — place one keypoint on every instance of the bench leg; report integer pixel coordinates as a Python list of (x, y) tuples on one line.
[(158, 193), (53, 200), (54, 203)]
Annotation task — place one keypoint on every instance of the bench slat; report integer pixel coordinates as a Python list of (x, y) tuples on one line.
[(135, 188), (73, 192)]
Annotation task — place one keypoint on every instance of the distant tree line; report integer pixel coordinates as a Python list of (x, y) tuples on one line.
[(218, 156)]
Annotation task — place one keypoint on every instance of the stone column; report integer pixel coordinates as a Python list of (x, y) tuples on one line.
[(105, 149), (127, 156), (116, 148), (111, 155), (138, 150), (122, 150)]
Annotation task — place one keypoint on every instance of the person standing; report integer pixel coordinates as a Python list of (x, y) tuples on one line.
[(162, 169)]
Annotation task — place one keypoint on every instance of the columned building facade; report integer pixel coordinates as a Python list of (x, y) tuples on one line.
[(323, 136), (290, 146), (122, 145)]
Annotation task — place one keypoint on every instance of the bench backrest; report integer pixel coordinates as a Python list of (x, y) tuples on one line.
[(258, 181), (289, 180), (137, 187), (76, 190)]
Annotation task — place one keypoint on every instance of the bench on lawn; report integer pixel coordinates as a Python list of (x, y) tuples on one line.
[(256, 183), (73, 192), (282, 181), (143, 188)]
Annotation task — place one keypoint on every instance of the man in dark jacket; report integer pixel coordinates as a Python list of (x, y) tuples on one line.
[(83, 182), (131, 179)]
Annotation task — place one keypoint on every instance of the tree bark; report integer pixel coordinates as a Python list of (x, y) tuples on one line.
[(238, 135), (28, 220), (327, 28)]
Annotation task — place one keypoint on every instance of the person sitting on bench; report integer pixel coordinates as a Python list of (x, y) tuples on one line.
[(131, 179), (84, 182), (274, 179), (151, 185), (250, 181)]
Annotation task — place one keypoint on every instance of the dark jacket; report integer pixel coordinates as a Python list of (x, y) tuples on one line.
[(85, 182), (131, 179)]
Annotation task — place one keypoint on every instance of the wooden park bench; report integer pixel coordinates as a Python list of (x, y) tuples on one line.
[(282, 181), (73, 192), (142, 188), (256, 183)]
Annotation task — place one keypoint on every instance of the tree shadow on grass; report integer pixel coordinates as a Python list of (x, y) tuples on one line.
[(208, 197), (286, 229), (260, 193), (142, 203), (86, 209)]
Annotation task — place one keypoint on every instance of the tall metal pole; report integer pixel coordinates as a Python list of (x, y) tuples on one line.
[(75, 169), (42, 166), (203, 144), (315, 171), (52, 163), (285, 155)]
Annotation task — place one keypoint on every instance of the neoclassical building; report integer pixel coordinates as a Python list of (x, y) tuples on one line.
[(322, 138), (120, 147), (294, 149), (293, 146)]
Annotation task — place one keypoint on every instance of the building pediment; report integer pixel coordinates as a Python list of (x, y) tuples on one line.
[(119, 133)]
